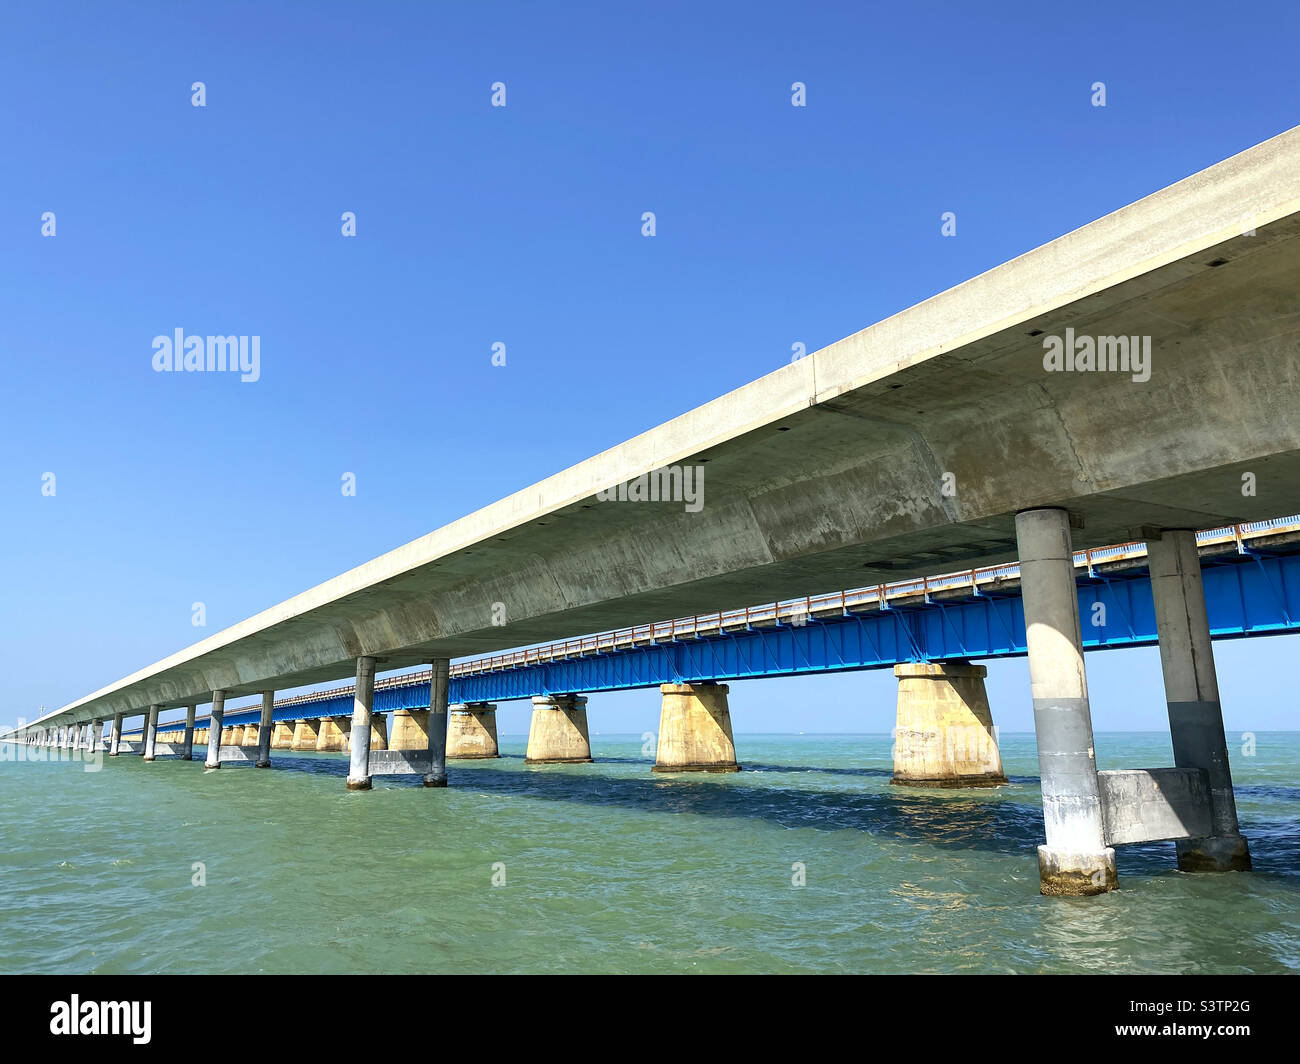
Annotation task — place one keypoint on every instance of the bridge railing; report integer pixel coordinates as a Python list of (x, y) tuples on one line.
[(796, 610)]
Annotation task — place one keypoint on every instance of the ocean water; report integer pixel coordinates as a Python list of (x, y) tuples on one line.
[(606, 867)]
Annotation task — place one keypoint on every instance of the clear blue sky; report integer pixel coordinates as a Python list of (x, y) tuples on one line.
[(519, 225)]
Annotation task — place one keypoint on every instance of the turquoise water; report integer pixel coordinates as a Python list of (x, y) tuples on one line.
[(608, 868)]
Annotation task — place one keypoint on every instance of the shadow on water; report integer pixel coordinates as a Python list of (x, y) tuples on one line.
[(982, 821), (882, 773)]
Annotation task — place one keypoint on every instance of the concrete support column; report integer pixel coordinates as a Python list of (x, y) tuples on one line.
[(68, 730), (1192, 695), (695, 729), (435, 722), (187, 744), (944, 735), (359, 767), (472, 731), (150, 732), (558, 732), (282, 735), (378, 731), (214, 729), (306, 732), (1076, 859), (264, 731), (115, 737), (93, 732), (244, 735)]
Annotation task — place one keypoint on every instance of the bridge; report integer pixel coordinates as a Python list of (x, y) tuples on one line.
[(1003, 418), (1252, 588)]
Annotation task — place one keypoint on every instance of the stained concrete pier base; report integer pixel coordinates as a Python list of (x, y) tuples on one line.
[(472, 731), (333, 735), (695, 729), (558, 732), (944, 735), (306, 734), (410, 730), (282, 736)]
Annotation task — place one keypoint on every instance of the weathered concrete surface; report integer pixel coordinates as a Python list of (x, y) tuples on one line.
[(472, 731), (333, 734), (557, 733), (854, 490), (1155, 804), (1076, 858), (282, 736), (306, 734), (1192, 698), (695, 729), (410, 730), (944, 734)]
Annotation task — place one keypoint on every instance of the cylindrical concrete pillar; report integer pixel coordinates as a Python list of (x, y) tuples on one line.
[(558, 732), (215, 729), (362, 700), (472, 731), (93, 733), (1192, 696), (695, 729), (187, 743), (435, 722), (306, 733), (150, 732), (1076, 859), (115, 737), (264, 730), (944, 736)]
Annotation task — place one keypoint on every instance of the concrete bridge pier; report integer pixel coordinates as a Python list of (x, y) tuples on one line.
[(282, 736), (944, 736), (115, 737), (410, 730), (695, 729), (214, 729), (306, 734), (247, 735), (94, 731), (362, 700), (150, 733), (472, 731), (1076, 859), (264, 731), (187, 742), (333, 737), (1192, 695), (435, 722), (557, 733)]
